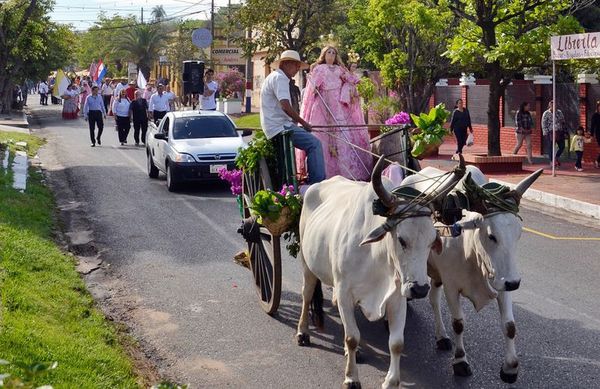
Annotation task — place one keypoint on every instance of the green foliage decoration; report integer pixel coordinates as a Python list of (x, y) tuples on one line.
[(259, 147), (431, 129)]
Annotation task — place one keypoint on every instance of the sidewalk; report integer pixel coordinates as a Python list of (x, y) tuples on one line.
[(15, 121), (569, 190)]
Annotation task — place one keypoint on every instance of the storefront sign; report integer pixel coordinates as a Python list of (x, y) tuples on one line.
[(228, 56), (575, 46)]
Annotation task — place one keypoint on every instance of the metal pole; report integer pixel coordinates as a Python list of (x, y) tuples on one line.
[(553, 159), (249, 77), (212, 30), (142, 12)]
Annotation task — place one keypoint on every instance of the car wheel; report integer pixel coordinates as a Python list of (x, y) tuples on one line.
[(172, 185), (152, 169)]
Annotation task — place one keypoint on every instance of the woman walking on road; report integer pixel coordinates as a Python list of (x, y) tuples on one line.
[(595, 130), (459, 123), (524, 128), (70, 108), (120, 108)]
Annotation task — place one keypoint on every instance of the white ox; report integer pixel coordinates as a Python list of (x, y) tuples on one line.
[(336, 223), (480, 264)]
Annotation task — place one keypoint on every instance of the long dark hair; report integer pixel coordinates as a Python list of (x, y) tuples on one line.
[(522, 106)]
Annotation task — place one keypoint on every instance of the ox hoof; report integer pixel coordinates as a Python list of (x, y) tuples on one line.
[(462, 369), (303, 340), (444, 344), (509, 378), (351, 385)]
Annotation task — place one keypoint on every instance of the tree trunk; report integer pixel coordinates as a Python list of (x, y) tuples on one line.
[(493, 113)]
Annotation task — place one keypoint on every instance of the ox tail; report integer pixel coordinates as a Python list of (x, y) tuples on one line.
[(316, 307)]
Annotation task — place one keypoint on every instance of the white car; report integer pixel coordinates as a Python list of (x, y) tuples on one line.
[(192, 146)]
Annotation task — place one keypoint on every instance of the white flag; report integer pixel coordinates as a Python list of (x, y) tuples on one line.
[(141, 80)]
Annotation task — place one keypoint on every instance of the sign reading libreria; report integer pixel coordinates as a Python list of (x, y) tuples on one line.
[(575, 46)]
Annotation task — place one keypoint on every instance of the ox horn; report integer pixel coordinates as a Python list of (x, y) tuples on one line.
[(527, 182), (387, 199), (457, 174)]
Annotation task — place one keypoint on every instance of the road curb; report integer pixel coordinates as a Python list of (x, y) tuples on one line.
[(553, 200)]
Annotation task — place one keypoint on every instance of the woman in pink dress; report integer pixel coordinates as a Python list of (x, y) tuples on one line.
[(330, 98)]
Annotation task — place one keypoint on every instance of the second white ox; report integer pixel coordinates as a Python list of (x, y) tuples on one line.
[(479, 264), (336, 224)]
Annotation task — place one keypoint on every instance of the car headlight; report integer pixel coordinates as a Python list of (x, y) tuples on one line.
[(184, 158)]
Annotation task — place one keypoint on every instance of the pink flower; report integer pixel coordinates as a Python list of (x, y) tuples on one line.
[(399, 118)]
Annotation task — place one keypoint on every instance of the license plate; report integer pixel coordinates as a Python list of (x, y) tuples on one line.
[(215, 168)]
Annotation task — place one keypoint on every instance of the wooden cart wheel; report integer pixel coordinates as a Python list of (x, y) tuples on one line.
[(265, 254)]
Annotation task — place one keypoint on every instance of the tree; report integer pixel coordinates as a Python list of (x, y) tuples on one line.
[(279, 25), (141, 44), (406, 40), (158, 13), (30, 45), (502, 37)]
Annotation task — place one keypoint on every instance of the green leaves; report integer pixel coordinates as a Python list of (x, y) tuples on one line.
[(431, 129), (259, 147)]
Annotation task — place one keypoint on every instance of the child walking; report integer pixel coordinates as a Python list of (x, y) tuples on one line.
[(577, 147)]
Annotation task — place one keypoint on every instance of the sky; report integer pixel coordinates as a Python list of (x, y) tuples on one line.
[(83, 14)]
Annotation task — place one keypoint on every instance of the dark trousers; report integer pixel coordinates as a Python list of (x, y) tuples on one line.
[(95, 119), (579, 158), (560, 146), (157, 115), (461, 139), (123, 127), (43, 99), (106, 99), (137, 126)]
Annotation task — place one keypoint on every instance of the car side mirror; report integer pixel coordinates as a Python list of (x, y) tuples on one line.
[(160, 136), (245, 131)]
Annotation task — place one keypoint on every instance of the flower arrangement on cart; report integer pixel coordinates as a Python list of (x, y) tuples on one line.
[(279, 211)]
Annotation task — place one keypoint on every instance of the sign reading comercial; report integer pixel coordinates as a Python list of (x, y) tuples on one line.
[(575, 46), (228, 55)]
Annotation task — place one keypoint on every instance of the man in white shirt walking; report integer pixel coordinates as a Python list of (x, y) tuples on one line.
[(210, 89), (43, 89), (107, 92), (159, 104), (277, 114)]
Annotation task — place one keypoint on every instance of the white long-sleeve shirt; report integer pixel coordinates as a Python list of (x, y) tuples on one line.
[(159, 103), (121, 108)]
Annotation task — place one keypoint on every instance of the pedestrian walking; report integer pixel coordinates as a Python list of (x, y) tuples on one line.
[(171, 96), (277, 114), (121, 110), (523, 130), (159, 104), (94, 111), (577, 146), (148, 92), (595, 130), (560, 129), (208, 101), (130, 90), (70, 108), (25, 93), (107, 92), (43, 90), (139, 112), (459, 123), (85, 90)]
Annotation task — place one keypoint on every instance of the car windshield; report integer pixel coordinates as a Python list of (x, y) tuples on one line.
[(203, 127)]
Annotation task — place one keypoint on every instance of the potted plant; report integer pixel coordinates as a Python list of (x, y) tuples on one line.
[(430, 131)]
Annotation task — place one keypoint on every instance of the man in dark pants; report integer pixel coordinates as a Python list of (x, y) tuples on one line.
[(139, 110), (159, 104), (94, 112)]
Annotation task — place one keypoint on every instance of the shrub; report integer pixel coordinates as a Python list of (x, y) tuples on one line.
[(231, 84)]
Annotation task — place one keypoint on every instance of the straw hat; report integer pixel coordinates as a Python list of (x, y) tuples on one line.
[(290, 55)]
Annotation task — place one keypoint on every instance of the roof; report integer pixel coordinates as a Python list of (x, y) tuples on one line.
[(187, 114)]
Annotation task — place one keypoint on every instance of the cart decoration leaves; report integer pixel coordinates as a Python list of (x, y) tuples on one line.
[(259, 147)]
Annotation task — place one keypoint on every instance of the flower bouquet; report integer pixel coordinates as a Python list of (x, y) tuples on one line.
[(401, 118), (234, 177), (277, 211)]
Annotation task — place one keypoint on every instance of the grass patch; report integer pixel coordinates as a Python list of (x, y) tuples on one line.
[(251, 120), (46, 314)]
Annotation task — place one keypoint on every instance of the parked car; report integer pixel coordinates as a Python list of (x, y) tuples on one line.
[(192, 146)]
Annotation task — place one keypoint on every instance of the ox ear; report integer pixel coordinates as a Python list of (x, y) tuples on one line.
[(374, 236), (437, 244)]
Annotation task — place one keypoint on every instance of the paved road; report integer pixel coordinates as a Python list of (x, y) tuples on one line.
[(171, 277)]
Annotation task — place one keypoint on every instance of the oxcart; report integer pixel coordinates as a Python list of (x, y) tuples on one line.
[(264, 244)]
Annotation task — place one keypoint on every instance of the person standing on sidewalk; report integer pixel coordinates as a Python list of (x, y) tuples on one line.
[(524, 128), (547, 132), (94, 112), (43, 89), (577, 146), (208, 102), (139, 112), (159, 104), (121, 110), (595, 130), (459, 123)]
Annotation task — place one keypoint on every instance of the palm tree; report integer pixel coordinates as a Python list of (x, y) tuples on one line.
[(142, 43), (158, 13)]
